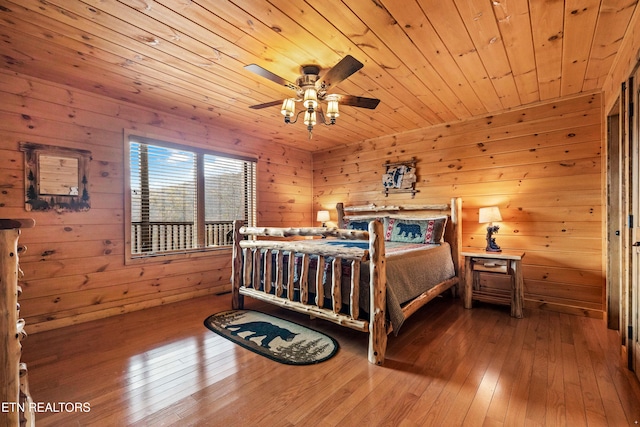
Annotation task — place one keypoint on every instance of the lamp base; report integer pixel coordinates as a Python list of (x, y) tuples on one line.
[(491, 249), (492, 246)]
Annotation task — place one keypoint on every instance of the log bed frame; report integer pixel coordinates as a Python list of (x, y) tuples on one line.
[(248, 255)]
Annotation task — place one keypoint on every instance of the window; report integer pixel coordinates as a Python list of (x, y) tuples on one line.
[(185, 200)]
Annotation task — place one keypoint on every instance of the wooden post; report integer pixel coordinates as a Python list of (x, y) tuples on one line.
[(355, 289), (336, 284), (247, 267), (291, 271), (456, 241), (340, 209), (517, 291), (279, 273), (237, 300), (10, 345), (25, 398), (468, 283), (267, 259), (11, 327), (319, 284), (303, 282), (378, 291), (255, 278)]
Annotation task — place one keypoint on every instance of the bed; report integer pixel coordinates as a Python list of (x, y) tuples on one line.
[(369, 273)]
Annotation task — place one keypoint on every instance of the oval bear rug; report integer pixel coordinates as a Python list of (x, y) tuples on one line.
[(272, 337)]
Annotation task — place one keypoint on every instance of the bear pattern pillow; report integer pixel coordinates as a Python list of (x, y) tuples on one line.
[(429, 230)]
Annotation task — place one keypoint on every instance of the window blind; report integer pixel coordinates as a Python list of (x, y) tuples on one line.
[(165, 185)]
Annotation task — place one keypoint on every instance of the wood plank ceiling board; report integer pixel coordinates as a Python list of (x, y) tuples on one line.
[(515, 27), (389, 59), (417, 27), (580, 18), (137, 43), (380, 21), (430, 62), (606, 41), (547, 21), (485, 35), (450, 28)]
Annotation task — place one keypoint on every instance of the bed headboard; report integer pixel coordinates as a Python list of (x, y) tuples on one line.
[(453, 209)]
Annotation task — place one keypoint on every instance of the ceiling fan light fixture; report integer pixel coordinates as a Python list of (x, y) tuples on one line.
[(332, 109), (310, 118), (288, 109), (310, 98), (311, 90)]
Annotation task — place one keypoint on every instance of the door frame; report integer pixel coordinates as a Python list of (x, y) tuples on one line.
[(616, 315), (623, 219), (633, 136)]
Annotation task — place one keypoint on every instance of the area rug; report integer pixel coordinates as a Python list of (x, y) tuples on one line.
[(272, 337)]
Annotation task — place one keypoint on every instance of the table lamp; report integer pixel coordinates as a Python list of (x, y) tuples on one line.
[(490, 215), (323, 217)]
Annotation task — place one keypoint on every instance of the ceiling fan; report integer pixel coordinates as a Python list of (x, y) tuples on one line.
[(311, 88)]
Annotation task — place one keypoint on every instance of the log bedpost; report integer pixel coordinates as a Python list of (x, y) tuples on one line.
[(378, 291), (340, 209), (456, 240), (237, 300)]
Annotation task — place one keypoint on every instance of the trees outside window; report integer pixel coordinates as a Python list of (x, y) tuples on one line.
[(183, 200)]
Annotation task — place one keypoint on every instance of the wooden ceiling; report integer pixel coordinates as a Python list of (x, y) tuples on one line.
[(428, 61)]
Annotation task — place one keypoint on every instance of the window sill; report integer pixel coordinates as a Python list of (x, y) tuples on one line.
[(169, 257)]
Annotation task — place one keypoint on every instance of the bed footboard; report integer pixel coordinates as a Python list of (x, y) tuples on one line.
[(267, 269), (288, 273)]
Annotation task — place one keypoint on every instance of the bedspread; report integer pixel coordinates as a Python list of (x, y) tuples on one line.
[(412, 269)]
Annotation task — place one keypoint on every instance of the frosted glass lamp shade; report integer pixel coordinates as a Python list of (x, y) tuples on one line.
[(310, 118), (310, 98), (332, 109), (288, 107)]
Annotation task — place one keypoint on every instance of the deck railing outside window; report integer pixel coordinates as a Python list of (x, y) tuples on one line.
[(172, 236)]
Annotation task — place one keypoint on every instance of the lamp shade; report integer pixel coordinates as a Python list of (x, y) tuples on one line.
[(288, 107), (310, 98), (310, 118), (323, 216), (490, 214), (332, 108)]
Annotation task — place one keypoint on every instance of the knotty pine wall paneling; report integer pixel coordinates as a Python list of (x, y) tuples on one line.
[(541, 165), (74, 268)]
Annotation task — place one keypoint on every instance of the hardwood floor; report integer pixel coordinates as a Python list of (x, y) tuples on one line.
[(449, 366)]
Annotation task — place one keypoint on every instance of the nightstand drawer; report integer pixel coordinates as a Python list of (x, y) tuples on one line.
[(490, 265)]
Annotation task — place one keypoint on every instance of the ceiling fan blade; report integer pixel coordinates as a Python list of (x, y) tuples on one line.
[(254, 68), (343, 69), (358, 101), (266, 105)]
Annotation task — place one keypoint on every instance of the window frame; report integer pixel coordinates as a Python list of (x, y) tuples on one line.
[(182, 254)]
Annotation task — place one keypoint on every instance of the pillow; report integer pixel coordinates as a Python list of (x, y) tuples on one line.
[(428, 230), (361, 223)]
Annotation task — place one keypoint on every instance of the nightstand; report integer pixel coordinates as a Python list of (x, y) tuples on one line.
[(505, 263)]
